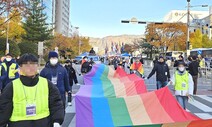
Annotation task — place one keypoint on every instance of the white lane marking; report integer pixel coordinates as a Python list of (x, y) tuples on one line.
[(206, 98), (203, 115), (201, 106)]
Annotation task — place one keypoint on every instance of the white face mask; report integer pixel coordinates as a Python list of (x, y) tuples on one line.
[(53, 61), (86, 59), (8, 59), (181, 69)]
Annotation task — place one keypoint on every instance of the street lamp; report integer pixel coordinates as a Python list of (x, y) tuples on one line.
[(79, 41), (188, 22)]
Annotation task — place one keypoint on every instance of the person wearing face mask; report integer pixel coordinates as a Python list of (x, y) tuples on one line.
[(183, 84), (9, 70), (162, 73), (31, 100), (72, 78), (57, 74)]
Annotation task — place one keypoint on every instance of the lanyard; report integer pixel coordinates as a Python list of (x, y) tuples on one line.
[(26, 96)]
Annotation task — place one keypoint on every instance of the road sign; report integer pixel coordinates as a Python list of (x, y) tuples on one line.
[(199, 52)]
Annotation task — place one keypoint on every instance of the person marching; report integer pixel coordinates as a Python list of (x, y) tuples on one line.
[(72, 78), (31, 100), (85, 68), (57, 74), (137, 67), (162, 73), (9, 70), (183, 84)]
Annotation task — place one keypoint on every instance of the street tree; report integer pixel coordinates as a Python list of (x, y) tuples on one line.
[(35, 24), (196, 39), (206, 42), (170, 36), (15, 28), (14, 49), (69, 46), (11, 7)]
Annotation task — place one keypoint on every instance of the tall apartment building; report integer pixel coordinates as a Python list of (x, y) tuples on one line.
[(58, 12)]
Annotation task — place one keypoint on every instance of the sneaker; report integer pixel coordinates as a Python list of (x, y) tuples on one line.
[(78, 84), (69, 104)]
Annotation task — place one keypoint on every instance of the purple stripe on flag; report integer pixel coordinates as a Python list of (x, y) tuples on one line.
[(83, 100), (88, 77)]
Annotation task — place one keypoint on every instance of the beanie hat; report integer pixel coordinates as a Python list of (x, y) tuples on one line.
[(161, 57), (52, 54), (180, 62)]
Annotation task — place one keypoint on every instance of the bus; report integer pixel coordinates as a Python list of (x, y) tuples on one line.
[(205, 52)]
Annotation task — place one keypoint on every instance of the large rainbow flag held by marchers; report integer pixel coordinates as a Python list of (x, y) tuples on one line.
[(115, 99)]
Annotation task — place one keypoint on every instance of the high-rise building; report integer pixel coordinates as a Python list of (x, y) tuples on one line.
[(58, 12)]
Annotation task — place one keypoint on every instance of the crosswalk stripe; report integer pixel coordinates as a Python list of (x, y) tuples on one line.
[(203, 115), (201, 106), (206, 98)]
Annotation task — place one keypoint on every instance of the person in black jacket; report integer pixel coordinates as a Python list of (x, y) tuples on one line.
[(180, 59), (85, 68), (72, 78), (162, 73), (18, 104), (193, 70)]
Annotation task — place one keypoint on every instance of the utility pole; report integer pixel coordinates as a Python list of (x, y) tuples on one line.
[(188, 25), (8, 25)]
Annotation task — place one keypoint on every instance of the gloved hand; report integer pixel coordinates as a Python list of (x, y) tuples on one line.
[(56, 125)]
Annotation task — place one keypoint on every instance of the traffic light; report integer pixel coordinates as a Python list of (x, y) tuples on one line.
[(190, 47), (187, 45)]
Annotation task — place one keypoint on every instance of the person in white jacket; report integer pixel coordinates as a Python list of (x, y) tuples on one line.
[(183, 84)]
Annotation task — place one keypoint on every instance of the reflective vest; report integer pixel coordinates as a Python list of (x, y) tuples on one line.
[(38, 95), (11, 70), (181, 81)]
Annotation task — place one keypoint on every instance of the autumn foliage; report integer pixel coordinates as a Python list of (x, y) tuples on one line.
[(69, 45), (170, 35)]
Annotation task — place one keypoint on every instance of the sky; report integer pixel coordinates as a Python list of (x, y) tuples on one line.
[(100, 18)]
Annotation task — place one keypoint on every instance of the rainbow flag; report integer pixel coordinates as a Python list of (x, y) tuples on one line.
[(100, 103), (138, 67), (102, 80)]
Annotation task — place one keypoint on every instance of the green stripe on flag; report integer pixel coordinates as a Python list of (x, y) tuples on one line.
[(106, 84), (119, 112)]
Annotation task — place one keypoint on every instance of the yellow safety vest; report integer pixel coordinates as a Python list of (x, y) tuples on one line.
[(181, 81), (11, 70), (38, 95)]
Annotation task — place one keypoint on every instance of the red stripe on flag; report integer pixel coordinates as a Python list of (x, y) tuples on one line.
[(201, 123), (172, 107)]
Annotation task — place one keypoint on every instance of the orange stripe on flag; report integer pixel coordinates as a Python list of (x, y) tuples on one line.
[(155, 109), (137, 110)]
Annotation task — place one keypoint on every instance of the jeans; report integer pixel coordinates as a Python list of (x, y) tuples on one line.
[(195, 84), (161, 84), (182, 100)]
